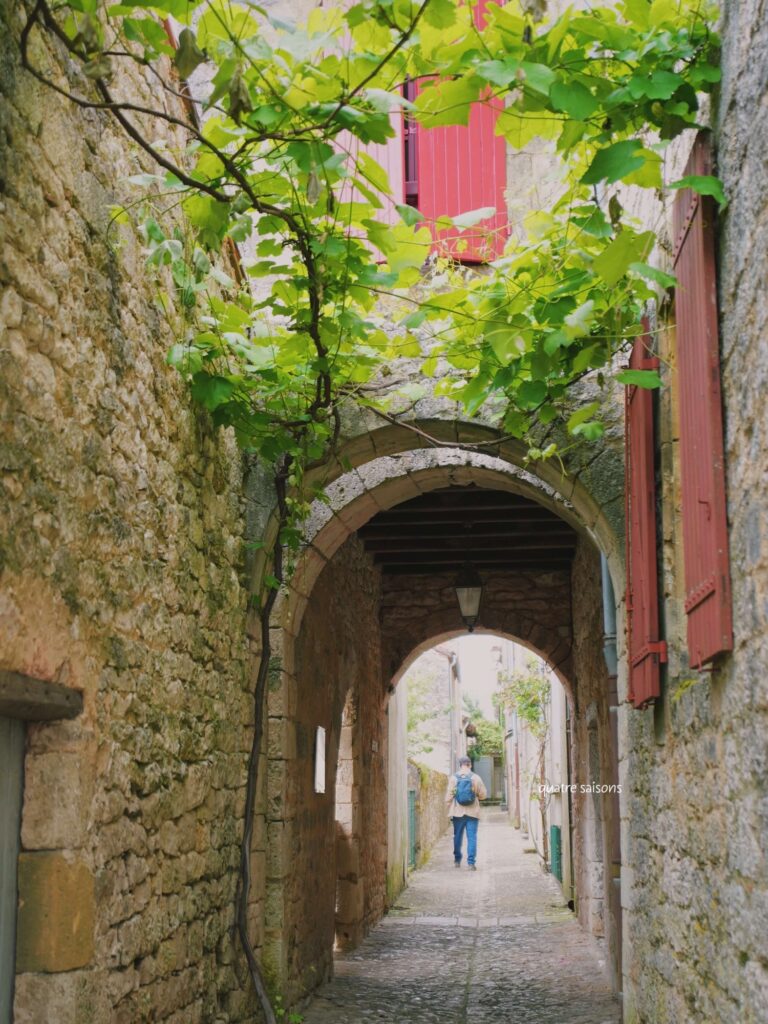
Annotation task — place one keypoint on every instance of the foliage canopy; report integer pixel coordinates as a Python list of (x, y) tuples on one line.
[(270, 151)]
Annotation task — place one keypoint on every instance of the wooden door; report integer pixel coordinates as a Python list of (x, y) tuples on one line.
[(11, 782)]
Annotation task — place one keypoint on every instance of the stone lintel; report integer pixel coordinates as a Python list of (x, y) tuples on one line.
[(37, 700)]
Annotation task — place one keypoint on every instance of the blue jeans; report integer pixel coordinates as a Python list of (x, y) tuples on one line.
[(461, 825)]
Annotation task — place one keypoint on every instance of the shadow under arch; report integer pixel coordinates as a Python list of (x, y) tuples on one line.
[(565, 481), (354, 496)]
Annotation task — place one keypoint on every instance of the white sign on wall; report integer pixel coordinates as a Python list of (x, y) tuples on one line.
[(320, 760)]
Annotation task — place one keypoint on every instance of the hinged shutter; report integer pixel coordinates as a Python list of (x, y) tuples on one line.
[(389, 156), (461, 169), (705, 532), (646, 650)]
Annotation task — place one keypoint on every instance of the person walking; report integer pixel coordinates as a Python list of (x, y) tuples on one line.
[(465, 791)]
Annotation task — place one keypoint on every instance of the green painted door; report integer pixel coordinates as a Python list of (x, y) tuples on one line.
[(411, 828), (11, 781)]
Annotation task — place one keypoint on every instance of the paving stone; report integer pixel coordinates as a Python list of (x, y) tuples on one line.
[(495, 946)]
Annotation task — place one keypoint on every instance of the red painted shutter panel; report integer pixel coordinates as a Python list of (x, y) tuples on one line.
[(705, 529), (462, 169), (389, 156), (646, 651)]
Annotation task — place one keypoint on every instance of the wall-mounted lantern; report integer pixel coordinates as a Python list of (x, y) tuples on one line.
[(469, 591)]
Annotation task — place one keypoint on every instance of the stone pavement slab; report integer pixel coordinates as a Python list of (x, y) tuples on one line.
[(495, 946)]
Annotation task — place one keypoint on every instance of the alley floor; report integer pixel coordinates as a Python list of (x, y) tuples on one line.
[(495, 946)]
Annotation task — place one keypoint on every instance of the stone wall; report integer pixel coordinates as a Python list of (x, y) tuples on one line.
[(397, 791), (331, 845), (121, 577), (698, 769), (534, 609), (591, 756), (431, 807)]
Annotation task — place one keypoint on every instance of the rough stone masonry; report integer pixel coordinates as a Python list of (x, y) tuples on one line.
[(121, 558)]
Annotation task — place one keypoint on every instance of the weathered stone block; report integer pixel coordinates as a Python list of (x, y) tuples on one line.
[(74, 997), (57, 794), (56, 913)]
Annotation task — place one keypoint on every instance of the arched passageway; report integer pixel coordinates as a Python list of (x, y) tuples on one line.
[(373, 586)]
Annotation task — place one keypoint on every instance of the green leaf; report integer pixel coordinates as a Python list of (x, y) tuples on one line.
[(639, 378), (185, 358), (591, 431), (474, 394), (574, 99), (239, 97), (654, 274), (592, 220), (582, 415), (614, 162), (538, 77), (409, 214), (637, 12), (627, 248), (188, 55), (649, 175), (658, 86), (585, 358), (409, 247), (555, 341), (515, 423), (374, 173), (440, 13), (414, 320), (211, 391), (505, 344), (384, 101), (705, 185), (500, 72), (447, 103), (530, 394), (209, 216)]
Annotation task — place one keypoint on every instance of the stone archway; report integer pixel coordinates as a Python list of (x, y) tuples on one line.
[(334, 615)]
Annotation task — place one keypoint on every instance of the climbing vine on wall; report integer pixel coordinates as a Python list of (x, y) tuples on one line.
[(267, 152), (526, 693), (251, 129)]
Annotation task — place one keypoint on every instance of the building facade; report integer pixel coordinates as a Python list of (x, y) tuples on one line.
[(129, 645)]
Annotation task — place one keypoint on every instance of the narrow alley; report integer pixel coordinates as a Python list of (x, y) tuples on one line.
[(489, 947), (383, 388)]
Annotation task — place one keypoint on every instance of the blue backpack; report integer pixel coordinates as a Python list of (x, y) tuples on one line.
[(465, 793)]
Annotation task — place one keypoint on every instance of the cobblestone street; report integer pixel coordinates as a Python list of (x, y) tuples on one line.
[(496, 946)]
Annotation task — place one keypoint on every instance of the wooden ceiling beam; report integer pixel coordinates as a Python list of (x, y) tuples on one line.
[(420, 569), (531, 542), (472, 519), (477, 559), (509, 530)]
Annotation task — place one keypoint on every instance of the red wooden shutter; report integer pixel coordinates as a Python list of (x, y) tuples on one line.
[(646, 651), (389, 156), (462, 169), (705, 530)]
